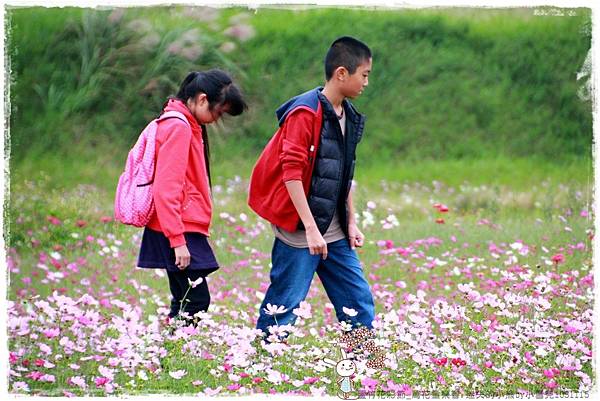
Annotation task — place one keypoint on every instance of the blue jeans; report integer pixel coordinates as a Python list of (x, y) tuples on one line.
[(341, 274)]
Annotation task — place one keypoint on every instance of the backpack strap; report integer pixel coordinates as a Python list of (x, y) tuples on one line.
[(172, 114)]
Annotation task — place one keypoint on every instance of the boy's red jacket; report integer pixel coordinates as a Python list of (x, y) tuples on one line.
[(181, 190), (289, 155)]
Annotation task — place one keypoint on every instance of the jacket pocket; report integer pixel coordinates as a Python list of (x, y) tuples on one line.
[(195, 208)]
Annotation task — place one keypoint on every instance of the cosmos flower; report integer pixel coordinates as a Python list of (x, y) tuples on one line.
[(274, 309)]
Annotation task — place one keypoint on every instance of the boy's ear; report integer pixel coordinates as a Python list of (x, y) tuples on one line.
[(341, 73)]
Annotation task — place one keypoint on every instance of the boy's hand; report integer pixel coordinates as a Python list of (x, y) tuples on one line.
[(356, 237), (316, 243), (182, 257)]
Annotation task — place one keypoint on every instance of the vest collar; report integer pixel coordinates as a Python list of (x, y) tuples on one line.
[(328, 112)]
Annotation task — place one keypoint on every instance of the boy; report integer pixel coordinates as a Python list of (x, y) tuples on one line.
[(301, 184)]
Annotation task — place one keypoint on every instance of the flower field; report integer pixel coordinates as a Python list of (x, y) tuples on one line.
[(479, 290)]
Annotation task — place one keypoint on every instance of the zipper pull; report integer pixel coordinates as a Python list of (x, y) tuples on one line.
[(310, 153)]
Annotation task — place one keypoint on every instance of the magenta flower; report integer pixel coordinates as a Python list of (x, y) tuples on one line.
[(55, 221), (101, 381), (369, 384), (558, 258)]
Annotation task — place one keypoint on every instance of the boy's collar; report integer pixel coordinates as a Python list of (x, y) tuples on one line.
[(349, 109)]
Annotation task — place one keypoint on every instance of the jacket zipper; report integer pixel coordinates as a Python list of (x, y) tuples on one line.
[(341, 174)]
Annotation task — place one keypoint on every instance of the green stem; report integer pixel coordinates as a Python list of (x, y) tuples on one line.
[(181, 307)]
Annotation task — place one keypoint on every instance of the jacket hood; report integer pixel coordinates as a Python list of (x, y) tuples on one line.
[(311, 101), (308, 99)]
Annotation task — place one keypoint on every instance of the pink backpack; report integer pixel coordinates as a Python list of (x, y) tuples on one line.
[(133, 201)]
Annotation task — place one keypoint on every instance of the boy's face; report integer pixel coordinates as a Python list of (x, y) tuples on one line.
[(354, 84)]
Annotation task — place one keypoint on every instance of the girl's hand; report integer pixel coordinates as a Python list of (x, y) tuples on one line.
[(356, 237), (316, 243), (182, 257)]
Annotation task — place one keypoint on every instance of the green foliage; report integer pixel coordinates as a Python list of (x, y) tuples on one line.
[(98, 78), (446, 83)]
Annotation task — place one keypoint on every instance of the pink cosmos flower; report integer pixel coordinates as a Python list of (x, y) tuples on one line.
[(48, 378), (369, 384), (210, 392), (35, 375), (20, 386), (303, 311), (458, 362), (77, 381), (51, 333), (529, 358), (54, 220), (101, 381), (574, 326), (476, 327), (405, 389), (558, 258), (317, 391), (551, 373)]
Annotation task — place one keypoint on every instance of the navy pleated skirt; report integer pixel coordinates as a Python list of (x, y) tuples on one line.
[(156, 252)]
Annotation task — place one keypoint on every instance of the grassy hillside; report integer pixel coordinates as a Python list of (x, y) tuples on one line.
[(447, 84)]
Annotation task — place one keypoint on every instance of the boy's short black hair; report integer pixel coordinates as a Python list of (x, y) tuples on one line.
[(345, 52)]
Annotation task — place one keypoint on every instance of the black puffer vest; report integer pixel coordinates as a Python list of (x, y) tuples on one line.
[(334, 165)]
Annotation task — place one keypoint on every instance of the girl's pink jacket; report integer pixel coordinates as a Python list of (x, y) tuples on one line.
[(181, 190)]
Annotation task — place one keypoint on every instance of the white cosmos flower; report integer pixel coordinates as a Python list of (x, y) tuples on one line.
[(178, 374), (274, 309), (193, 284), (349, 311)]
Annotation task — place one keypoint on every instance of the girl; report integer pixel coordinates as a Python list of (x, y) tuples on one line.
[(175, 238)]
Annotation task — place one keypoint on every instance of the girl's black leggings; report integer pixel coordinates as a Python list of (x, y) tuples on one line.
[(199, 297)]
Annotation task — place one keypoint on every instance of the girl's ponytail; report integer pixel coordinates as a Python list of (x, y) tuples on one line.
[(206, 153)]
